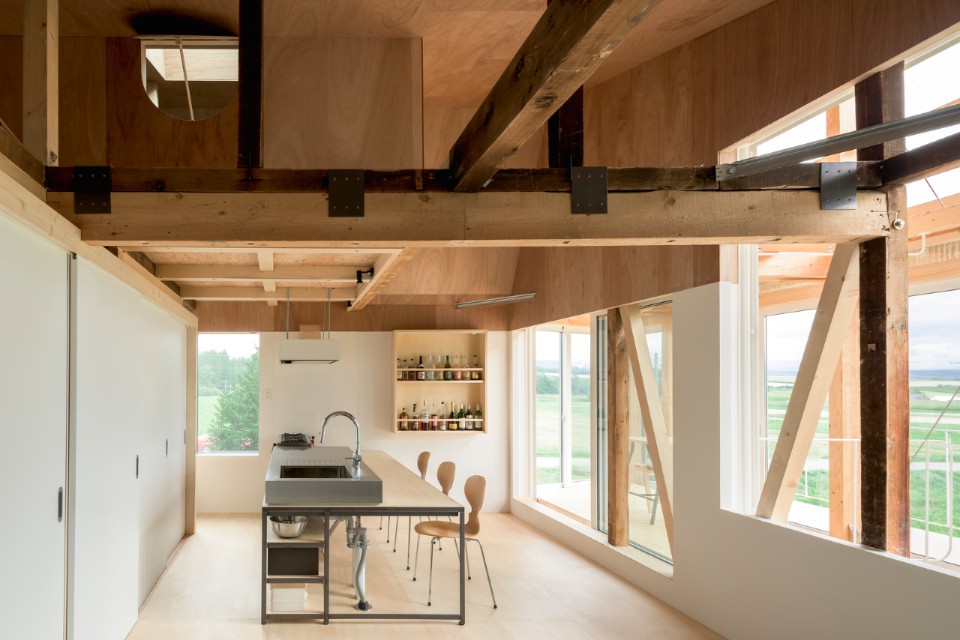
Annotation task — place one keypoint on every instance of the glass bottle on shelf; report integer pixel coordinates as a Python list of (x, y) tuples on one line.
[(433, 417), (403, 419), (448, 371), (430, 372), (475, 374), (457, 373), (415, 422), (399, 370), (442, 426), (478, 416), (452, 421), (421, 372), (461, 418), (468, 419), (425, 417)]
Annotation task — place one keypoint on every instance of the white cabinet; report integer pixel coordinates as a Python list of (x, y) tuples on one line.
[(34, 325)]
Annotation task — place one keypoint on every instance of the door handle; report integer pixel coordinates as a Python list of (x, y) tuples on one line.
[(138, 468), (60, 505), (167, 453)]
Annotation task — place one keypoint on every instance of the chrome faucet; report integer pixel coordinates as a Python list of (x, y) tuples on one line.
[(356, 454)]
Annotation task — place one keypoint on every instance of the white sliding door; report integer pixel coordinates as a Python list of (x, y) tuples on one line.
[(107, 527), (34, 367)]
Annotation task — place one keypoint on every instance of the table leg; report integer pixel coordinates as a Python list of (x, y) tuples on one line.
[(463, 582), (263, 568), (326, 568)]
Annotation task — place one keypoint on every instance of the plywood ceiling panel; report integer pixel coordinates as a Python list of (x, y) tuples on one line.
[(467, 271)]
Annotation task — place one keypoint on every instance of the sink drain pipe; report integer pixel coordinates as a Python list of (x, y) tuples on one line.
[(358, 541)]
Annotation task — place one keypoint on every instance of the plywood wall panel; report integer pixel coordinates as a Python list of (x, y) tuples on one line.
[(254, 316), (686, 105), (11, 83), (570, 281), (140, 135), (83, 107), (442, 126), (343, 103)]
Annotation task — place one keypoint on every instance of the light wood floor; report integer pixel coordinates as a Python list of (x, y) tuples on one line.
[(210, 590)]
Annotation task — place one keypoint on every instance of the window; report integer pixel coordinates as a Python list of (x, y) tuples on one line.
[(228, 393), (562, 418), (190, 77)]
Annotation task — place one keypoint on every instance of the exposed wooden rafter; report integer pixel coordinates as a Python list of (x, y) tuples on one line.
[(564, 48), (923, 162), (335, 276), (41, 114), (384, 270), (253, 294), (259, 221), (834, 314), (250, 85)]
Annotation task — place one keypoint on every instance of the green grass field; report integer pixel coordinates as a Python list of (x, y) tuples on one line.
[(548, 437)]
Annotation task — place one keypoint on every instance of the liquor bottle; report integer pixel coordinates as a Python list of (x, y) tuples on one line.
[(478, 416), (421, 372), (448, 372), (425, 417), (452, 420), (442, 417), (469, 419), (461, 418), (475, 374), (415, 423), (457, 373), (430, 371), (399, 370), (403, 419)]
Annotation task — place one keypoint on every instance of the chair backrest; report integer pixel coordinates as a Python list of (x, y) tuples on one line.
[(423, 461), (445, 473), (474, 488)]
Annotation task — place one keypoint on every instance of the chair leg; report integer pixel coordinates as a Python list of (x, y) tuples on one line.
[(396, 532), (430, 581), (381, 523), (416, 559), (467, 556), (487, 569), (409, 533)]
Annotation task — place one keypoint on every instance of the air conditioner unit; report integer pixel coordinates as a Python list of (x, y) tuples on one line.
[(304, 351)]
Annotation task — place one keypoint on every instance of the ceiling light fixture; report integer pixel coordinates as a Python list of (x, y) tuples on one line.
[(523, 297)]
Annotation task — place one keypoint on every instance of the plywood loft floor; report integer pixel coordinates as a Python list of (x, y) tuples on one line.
[(544, 590)]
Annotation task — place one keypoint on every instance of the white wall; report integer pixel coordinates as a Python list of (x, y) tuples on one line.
[(745, 577), (295, 398)]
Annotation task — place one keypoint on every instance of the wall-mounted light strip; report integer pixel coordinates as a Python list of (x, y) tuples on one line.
[(501, 300)]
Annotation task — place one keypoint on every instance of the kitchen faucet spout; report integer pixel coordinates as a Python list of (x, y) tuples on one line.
[(356, 455)]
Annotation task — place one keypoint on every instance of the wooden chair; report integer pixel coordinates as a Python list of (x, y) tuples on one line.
[(474, 488), (423, 462), (445, 475)]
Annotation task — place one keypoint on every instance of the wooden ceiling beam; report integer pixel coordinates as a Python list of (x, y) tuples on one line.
[(922, 162), (253, 294), (564, 48), (250, 85), (794, 266), (385, 269), (259, 221), (41, 114), (244, 273)]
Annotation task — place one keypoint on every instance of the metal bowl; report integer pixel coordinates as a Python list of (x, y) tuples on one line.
[(288, 526)]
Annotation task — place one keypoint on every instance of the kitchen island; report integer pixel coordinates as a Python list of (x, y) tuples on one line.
[(404, 494)]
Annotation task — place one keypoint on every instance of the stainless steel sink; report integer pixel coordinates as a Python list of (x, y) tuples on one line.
[(319, 476)]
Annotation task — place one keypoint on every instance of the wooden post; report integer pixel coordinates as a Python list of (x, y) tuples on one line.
[(618, 432), (565, 133), (40, 79), (845, 425), (884, 372), (250, 89)]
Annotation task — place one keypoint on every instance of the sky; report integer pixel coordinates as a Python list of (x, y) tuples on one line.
[(237, 345), (934, 325)]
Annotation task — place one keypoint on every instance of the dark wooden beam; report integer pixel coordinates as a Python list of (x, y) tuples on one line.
[(565, 47), (618, 432), (923, 162), (884, 370), (879, 99), (565, 133), (250, 90), (148, 264), (135, 180)]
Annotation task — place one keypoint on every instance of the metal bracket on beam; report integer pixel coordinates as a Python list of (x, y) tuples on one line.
[(838, 185), (345, 188), (91, 187), (588, 192)]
